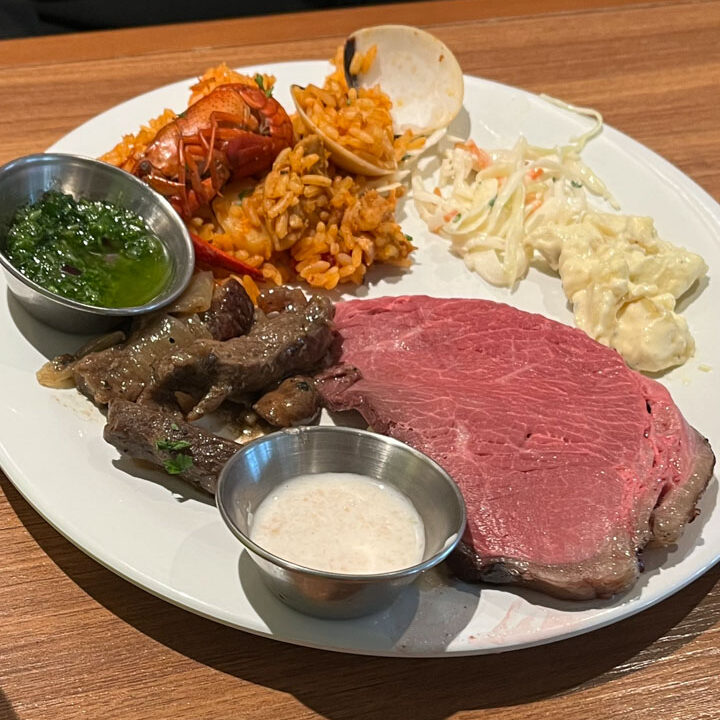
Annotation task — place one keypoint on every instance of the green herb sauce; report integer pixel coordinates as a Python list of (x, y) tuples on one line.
[(91, 251)]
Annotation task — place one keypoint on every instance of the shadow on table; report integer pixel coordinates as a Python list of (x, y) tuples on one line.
[(6, 709), (341, 686)]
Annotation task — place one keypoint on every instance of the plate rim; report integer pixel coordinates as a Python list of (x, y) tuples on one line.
[(700, 200)]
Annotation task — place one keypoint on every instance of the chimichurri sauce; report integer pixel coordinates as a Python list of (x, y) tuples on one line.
[(87, 250)]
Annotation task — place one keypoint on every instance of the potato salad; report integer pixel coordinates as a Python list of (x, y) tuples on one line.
[(501, 207)]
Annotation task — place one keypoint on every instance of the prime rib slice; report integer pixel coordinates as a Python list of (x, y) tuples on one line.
[(569, 462)]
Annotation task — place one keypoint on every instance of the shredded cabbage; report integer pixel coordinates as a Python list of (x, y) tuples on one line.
[(489, 203)]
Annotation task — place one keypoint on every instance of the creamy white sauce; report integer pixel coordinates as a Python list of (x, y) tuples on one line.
[(340, 522)]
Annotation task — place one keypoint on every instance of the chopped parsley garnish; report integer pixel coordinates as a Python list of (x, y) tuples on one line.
[(242, 195), (173, 445), (492, 202), (261, 84), (576, 184), (179, 460), (408, 237), (458, 217), (178, 464)]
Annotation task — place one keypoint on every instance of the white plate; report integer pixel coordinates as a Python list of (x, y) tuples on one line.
[(158, 534)]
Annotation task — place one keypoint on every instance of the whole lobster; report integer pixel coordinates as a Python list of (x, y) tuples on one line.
[(234, 131)]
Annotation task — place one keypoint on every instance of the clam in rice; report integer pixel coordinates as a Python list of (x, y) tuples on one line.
[(359, 120)]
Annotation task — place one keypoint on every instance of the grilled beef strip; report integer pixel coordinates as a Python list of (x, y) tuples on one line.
[(280, 299), (231, 311), (125, 370), (145, 433), (299, 338)]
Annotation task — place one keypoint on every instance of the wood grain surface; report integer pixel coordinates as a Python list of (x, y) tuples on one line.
[(76, 641)]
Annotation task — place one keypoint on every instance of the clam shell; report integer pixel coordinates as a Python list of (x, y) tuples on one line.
[(416, 70), (421, 77)]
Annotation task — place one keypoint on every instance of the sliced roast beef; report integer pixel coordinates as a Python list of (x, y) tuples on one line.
[(145, 433), (569, 462), (295, 339)]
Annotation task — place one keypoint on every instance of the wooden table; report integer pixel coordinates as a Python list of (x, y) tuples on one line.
[(79, 642)]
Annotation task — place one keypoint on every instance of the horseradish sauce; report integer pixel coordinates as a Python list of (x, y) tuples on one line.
[(340, 522)]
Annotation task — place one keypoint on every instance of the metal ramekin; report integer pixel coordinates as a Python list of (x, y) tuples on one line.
[(24, 180), (253, 472)]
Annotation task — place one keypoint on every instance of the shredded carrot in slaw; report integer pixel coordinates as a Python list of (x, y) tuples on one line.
[(488, 202)]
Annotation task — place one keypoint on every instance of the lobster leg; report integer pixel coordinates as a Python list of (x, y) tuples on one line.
[(163, 185), (208, 255), (182, 177)]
